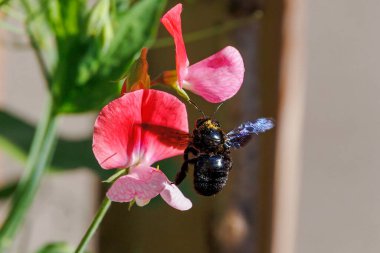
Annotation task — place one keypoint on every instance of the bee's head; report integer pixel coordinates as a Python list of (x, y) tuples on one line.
[(200, 122), (207, 123), (207, 134)]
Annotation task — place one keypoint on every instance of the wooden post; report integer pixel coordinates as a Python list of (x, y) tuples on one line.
[(247, 222), (289, 129)]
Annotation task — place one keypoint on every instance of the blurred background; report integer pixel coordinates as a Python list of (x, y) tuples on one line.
[(310, 185)]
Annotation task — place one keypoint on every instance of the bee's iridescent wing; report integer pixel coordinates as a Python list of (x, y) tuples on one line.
[(241, 135), (168, 136)]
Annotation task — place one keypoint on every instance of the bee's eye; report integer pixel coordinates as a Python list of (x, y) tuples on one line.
[(215, 136), (212, 138)]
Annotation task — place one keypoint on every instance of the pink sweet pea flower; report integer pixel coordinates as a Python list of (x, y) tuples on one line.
[(216, 78), (134, 132)]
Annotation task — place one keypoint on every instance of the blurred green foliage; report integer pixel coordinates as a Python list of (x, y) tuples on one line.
[(85, 50), (16, 137), (58, 247)]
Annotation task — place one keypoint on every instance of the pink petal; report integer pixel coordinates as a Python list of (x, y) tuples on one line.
[(174, 197), (218, 77), (172, 22), (142, 202), (116, 140), (164, 127), (143, 127), (142, 183)]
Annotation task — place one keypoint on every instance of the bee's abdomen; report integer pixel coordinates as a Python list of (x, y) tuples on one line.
[(211, 173), (209, 185)]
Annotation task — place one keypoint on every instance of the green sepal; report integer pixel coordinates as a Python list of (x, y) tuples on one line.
[(131, 204)]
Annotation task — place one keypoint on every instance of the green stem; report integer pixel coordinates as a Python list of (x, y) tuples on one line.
[(115, 176), (210, 31), (94, 225), (34, 41), (39, 158)]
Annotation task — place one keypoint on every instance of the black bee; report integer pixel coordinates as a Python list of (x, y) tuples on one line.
[(211, 149)]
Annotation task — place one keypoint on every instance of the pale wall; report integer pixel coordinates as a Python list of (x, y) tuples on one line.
[(339, 206), (66, 202)]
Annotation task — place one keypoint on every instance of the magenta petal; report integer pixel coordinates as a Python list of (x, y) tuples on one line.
[(116, 140), (172, 22), (174, 197), (142, 183), (139, 127), (164, 123), (218, 77)]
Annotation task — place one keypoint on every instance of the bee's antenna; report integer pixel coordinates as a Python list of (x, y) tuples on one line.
[(217, 109), (196, 107)]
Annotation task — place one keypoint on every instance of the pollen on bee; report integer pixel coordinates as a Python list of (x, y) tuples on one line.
[(210, 124)]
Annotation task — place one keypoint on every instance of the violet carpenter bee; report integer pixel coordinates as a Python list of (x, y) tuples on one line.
[(211, 149)]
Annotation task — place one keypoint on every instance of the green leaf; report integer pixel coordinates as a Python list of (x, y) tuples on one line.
[(135, 30), (58, 247), (64, 16), (16, 137), (86, 76), (83, 69), (119, 8)]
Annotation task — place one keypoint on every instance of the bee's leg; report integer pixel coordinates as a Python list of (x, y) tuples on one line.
[(192, 150), (185, 166), (182, 173)]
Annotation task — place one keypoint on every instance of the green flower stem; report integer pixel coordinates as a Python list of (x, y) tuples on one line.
[(100, 214), (94, 225), (210, 31), (115, 176), (42, 149), (34, 41)]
